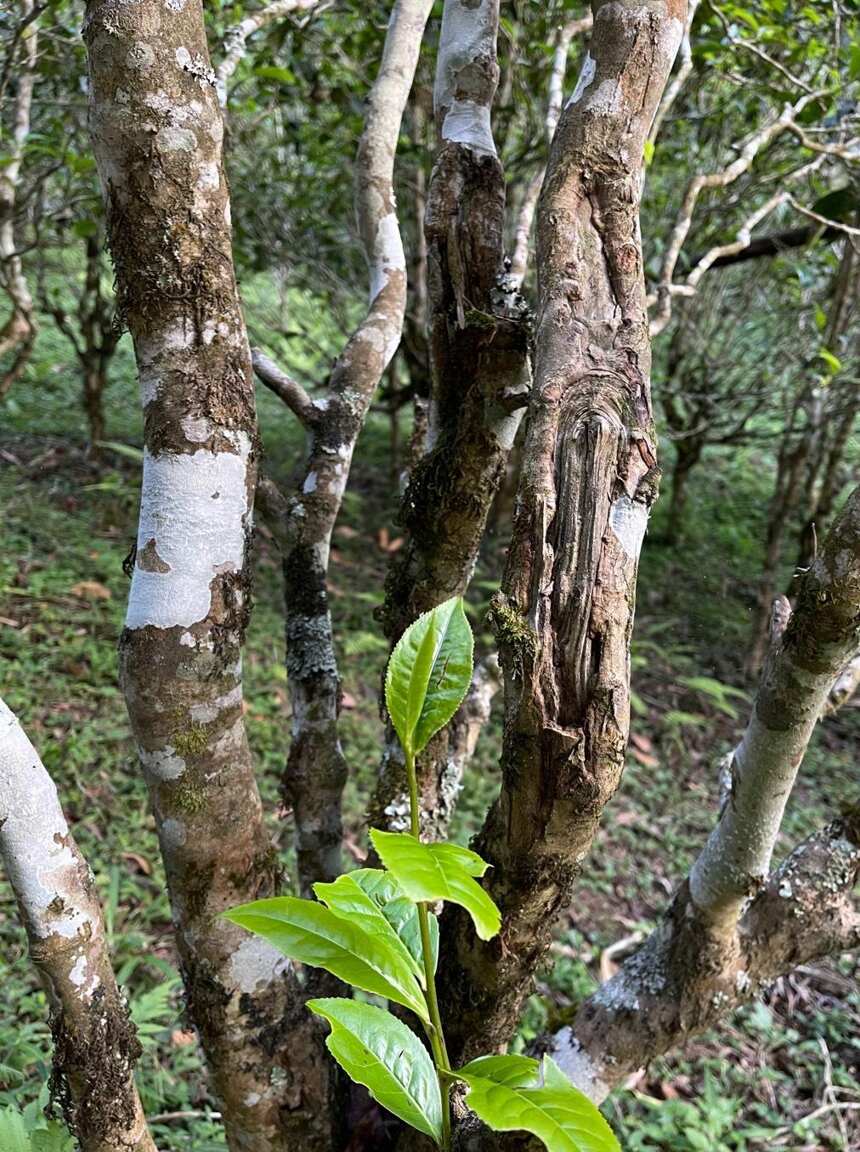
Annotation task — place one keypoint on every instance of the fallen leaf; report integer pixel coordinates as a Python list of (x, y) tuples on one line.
[(641, 742), (180, 1039), (644, 758), (347, 700), (140, 862), (90, 590)]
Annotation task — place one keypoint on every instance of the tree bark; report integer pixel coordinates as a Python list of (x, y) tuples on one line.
[(95, 1043), (157, 134), (316, 769), (479, 342), (19, 331), (589, 477), (708, 955)]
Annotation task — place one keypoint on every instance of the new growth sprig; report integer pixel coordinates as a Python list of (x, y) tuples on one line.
[(375, 929)]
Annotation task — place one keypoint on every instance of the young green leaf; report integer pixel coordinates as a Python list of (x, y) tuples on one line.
[(429, 674), (375, 1049), (346, 897), (312, 934), (439, 872), (400, 912), (509, 1097)]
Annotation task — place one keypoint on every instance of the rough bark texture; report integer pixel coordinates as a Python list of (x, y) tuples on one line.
[(706, 957), (589, 477), (821, 636), (316, 769), (157, 133), (478, 351), (95, 1044), (19, 331)]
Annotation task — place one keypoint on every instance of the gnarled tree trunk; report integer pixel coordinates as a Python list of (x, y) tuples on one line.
[(478, 352), (589, 477), (157, 131)]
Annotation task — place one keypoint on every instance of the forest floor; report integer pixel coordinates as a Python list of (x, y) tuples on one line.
[(780, 1074)]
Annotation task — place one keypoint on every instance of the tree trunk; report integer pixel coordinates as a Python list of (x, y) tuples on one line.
[(708, 954), (159, 153), (95, 382), (316, 769), (18, 334), (589, 478), (95, 1043), (478, 351), (688, 452)]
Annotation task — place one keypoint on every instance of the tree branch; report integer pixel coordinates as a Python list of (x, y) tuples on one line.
[(95, 1044), (235, 42), (286, 388)]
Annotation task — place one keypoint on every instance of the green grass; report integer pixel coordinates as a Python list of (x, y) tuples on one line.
[(748, 1087)]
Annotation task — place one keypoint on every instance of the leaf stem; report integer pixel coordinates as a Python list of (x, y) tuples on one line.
[(437, 1036)]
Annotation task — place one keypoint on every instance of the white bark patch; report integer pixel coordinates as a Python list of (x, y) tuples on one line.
[(607, 99), (255, 963), (589, 67), (469, 123), (197, 429), (387, 255), (310, 484), (164, 764), (34, 839), (195, 507), (141, 56), (173, 139), (628, 520), (207, 713), (578, 1066)]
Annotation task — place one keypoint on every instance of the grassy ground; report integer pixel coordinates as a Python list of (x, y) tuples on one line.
[(768, 1080)]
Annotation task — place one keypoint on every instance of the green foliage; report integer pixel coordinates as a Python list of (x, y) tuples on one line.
[(429, 674), (315, 935), (377, 1050), (398, 910), (510, 1093), (373, 930), (30, 1131), (429, 872)]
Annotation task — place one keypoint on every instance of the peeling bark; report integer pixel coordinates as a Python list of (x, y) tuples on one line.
[(479, 341), (589, 478), (157, 133), (19, 331), (316, 769), (95, 1044)]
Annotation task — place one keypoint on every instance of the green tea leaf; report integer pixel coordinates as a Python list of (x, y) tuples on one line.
[(545, 1104), (347, 898), (429, 674), (375, 1049), (439, 872), (400, 912), (312, 934)]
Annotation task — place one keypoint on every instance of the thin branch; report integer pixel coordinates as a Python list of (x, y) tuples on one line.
[(286, 388), (235, 42)]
